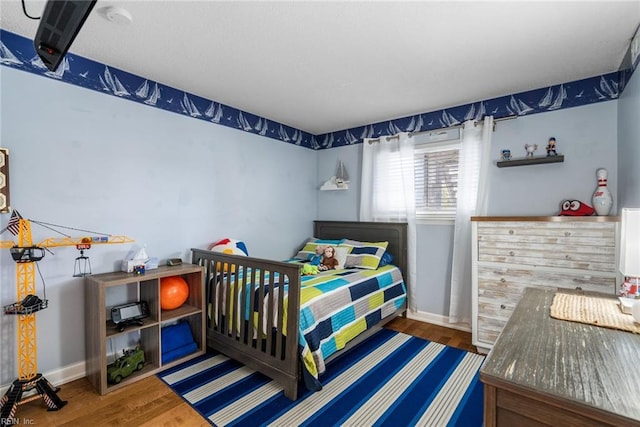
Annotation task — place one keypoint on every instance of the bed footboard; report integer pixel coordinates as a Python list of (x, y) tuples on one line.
[(246, 315)]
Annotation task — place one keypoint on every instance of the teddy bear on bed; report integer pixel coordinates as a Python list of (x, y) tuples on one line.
[(329, 260), (317, 258)]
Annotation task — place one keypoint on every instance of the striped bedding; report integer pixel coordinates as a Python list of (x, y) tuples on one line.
[(338, 305), (335, 307)]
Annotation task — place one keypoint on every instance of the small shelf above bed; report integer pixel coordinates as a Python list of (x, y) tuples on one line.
[(535, 160), (334, 189), (339, 181)]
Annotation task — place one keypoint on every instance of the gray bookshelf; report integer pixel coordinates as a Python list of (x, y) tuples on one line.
[(100, 330)]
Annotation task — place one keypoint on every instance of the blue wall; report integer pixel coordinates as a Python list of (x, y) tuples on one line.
[(174, 181), (94, 162), (586, 135)]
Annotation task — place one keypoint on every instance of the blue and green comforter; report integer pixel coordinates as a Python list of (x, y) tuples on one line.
[(335, 307), (338, 305)]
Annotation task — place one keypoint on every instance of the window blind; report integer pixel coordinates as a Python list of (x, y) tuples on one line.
[(436, 181)]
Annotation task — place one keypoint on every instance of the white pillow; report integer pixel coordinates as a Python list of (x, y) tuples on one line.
[(341, 255)]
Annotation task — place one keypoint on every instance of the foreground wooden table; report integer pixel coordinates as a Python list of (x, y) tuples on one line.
[(544, 371)]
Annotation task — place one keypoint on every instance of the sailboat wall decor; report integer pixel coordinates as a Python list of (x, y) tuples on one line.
[(340, 181), (18, 52)]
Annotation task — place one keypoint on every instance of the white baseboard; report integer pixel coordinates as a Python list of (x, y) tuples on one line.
[(437, 319), (58, 377)]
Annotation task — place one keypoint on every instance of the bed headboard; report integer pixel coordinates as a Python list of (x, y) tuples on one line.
[(393, 232)]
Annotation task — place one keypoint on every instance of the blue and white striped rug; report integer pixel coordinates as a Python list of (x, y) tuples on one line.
[(392, 379)]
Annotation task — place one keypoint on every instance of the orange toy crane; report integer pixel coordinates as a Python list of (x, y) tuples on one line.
[(25, 254)]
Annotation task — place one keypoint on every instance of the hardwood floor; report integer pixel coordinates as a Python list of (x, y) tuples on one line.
[(149, 402), (435, 333)]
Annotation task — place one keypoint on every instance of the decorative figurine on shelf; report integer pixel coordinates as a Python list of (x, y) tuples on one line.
[(551, 147), (602, 200), (506, 154), (530, 149), (575, 208)]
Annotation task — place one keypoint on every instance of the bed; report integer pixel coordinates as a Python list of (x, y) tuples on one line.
[(274, 333)]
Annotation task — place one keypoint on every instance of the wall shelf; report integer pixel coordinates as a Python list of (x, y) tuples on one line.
[(334, 189), (535, 160)]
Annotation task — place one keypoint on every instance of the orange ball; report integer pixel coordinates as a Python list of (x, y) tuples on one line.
[(174, 291)]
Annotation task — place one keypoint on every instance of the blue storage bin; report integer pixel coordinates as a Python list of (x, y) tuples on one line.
[(177, 341)]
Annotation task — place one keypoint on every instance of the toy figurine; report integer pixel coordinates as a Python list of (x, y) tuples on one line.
[(506, 154), (131, 360), (551, 147), (530, 149)]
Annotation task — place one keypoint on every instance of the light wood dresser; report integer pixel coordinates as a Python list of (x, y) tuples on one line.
[(512, 253), (545, 371)]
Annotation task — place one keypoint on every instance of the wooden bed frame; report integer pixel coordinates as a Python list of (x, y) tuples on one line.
[(273, 354)]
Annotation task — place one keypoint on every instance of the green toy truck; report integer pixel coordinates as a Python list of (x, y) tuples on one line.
[(130, 361)]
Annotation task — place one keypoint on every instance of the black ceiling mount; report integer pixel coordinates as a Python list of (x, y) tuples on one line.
[(60, 23)]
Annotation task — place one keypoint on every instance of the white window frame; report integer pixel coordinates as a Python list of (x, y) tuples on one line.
[(433, 146)]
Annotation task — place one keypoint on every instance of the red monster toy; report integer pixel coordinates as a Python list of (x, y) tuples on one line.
[(575, 208)]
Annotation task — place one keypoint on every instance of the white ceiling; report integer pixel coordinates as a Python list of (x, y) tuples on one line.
[(324, 66)]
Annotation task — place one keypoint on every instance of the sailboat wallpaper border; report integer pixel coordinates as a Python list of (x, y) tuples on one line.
[(18, 52)]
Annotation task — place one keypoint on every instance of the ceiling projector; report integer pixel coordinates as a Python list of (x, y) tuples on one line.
[(59, 25)]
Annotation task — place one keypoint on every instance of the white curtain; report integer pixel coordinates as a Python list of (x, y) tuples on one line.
[(388, 191), (471, 201)]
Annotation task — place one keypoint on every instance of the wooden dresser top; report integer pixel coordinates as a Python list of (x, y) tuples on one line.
[(582, 365), (548, 218)]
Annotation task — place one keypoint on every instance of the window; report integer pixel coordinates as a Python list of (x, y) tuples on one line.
[(432, 165), (436, 179)]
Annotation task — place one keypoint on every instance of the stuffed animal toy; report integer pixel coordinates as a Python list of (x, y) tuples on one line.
[(329, 260), (317, 258), (309, 270), (575, 208)]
